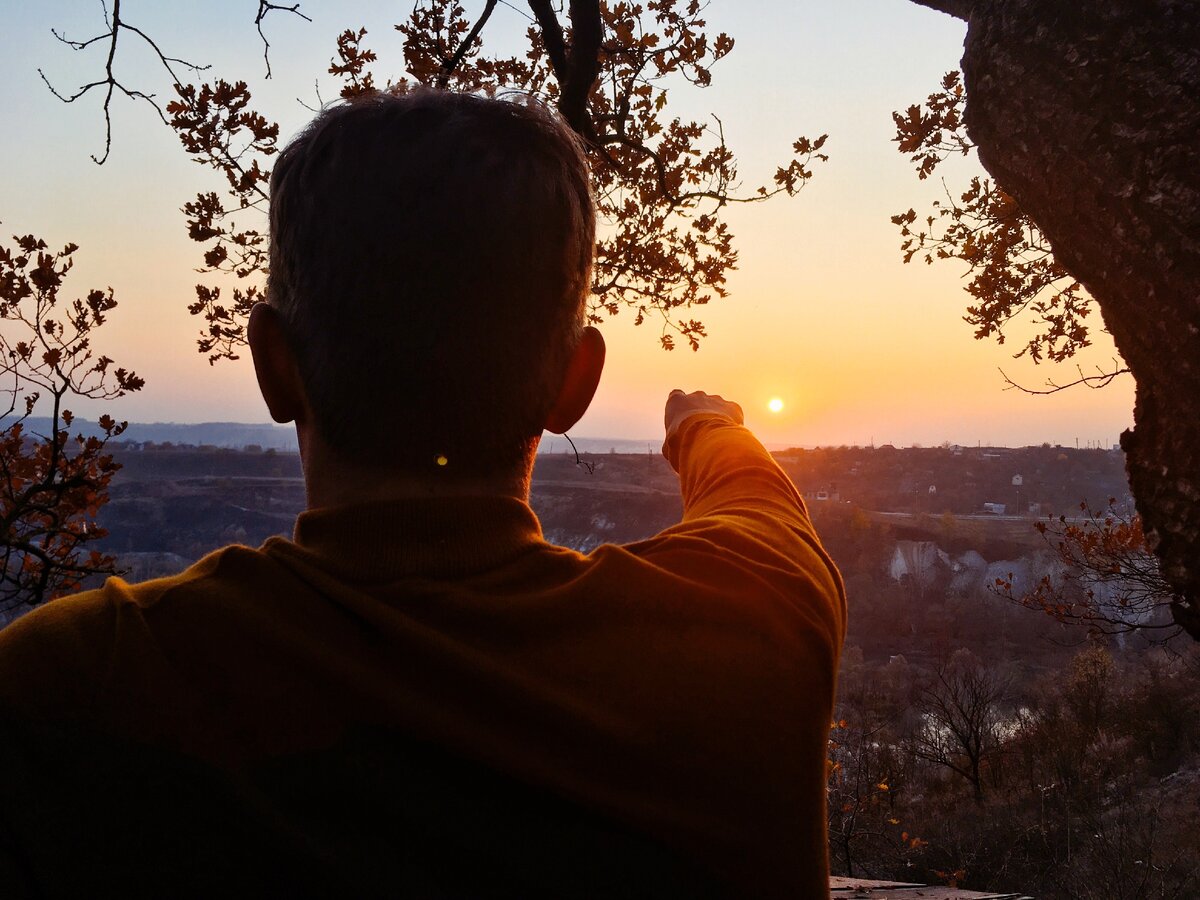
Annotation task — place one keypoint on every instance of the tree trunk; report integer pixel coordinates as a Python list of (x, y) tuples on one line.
[(1088, 113)]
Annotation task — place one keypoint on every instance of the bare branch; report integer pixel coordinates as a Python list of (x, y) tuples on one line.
[(552, 36), (960, 9), (452, 63), (109, 83), (320, 102), (264, 7), (517, 10), (1095, 382)]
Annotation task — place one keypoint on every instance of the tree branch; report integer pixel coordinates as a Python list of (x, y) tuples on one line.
[(577, 67), (583, 64), (960, 9), (552, 36), (451, 64), (264, 7), (1095, 382), (109, 82)]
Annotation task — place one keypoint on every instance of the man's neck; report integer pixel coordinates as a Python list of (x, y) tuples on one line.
[(330, 482)]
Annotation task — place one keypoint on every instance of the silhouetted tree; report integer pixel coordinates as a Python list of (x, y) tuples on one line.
[(1087, 115), (662, 183), (51, 485), (961, 731)]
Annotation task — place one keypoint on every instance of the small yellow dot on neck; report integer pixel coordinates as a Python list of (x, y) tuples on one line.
[(441, 460)]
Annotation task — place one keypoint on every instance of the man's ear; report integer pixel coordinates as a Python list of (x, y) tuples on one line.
[(579, 386), (275, 365)]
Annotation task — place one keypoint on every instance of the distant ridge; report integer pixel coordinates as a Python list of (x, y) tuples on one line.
[(236, 435), (218, 434)]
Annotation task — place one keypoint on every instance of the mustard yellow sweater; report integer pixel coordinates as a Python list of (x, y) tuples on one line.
[(427, 699)]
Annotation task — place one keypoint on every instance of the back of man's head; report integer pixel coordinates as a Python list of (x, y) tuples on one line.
[(430, 257)]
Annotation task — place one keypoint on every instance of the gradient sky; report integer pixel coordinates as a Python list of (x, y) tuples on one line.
[(823, 314)]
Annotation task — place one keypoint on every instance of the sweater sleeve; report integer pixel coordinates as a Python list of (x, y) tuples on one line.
[(750, 578), (722, 467), (742, 509)]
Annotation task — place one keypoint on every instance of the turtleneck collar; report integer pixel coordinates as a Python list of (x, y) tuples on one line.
[(432, 537)]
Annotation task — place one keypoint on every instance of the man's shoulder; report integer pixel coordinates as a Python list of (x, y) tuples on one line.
[(65, 645), (88, 608), (214, 573)]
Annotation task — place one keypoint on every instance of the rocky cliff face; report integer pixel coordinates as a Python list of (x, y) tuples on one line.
[(927, 567)]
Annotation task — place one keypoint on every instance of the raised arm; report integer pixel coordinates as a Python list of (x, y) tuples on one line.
[(723, 469)]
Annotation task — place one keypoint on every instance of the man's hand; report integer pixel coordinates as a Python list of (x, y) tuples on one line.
[(680, 406)]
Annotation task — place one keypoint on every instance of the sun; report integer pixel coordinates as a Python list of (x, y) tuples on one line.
[(775, 405)]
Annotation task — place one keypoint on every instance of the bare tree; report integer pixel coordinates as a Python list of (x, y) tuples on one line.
[(962, 728)]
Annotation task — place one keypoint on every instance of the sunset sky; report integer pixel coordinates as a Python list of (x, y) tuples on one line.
[(823, 315)]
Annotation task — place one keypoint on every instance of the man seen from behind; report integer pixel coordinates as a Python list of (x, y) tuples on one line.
[(417, 695)]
